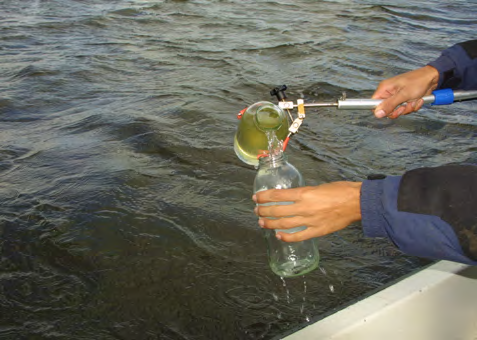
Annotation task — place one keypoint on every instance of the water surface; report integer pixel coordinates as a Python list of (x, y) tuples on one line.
[(124, 211)]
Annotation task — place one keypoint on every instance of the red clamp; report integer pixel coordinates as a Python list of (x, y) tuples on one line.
[(264, 153), (240, 114)]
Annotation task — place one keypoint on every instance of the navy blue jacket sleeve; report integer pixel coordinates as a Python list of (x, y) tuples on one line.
[(457, 66), (422, 233)]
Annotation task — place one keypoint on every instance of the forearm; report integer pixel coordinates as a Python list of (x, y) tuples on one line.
[(457, 66), (423, 212)]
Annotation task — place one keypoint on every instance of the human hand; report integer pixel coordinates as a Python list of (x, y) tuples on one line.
[(406, 88), (322, 209)]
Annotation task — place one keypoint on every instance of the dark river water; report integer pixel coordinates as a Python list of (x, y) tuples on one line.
[(125, 213)]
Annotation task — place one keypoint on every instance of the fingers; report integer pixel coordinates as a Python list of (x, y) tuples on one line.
[(289, 223), (322, 209), (278, 210), (410, 107), (418, 104), (403, 109), (390, 105), (402, 94), (278, 195), (385, 109), (306, 234), (281, 223)]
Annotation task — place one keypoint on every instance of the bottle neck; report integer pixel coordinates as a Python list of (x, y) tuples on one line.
[(273, 160)]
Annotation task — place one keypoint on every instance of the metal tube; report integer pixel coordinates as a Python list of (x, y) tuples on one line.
[(356, 104), (464, 95), (369, 104), (320, 105), (427, 99)]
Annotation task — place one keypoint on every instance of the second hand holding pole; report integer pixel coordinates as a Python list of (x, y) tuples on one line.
[(438, 97)]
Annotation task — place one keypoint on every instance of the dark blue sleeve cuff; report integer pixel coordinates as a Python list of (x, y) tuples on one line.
[(371, 207), (444, 65), (457, 69)]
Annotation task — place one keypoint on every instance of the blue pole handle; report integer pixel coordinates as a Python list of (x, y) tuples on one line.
[(443, 97)]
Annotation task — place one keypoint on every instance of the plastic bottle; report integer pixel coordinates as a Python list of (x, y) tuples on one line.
[(251, 139), (286, 259)]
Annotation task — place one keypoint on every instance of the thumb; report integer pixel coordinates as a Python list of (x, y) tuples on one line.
[(388, 105)]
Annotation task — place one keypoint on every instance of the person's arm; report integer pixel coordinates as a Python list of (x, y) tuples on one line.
[(456, 68), (428, 212)]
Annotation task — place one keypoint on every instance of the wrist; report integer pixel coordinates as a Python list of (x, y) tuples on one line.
[(353, 201), (356, 212), (432, 76)]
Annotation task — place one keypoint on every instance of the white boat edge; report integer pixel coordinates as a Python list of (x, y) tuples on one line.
[(437, 302)]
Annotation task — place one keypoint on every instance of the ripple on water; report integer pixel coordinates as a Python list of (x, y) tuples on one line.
[(248, 297), (124, 211), (46, 291)]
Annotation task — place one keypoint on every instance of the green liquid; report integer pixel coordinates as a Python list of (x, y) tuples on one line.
[(250, 141)]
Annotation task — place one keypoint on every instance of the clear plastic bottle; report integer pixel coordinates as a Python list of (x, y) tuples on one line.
[(286, 259), (251, 139)]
